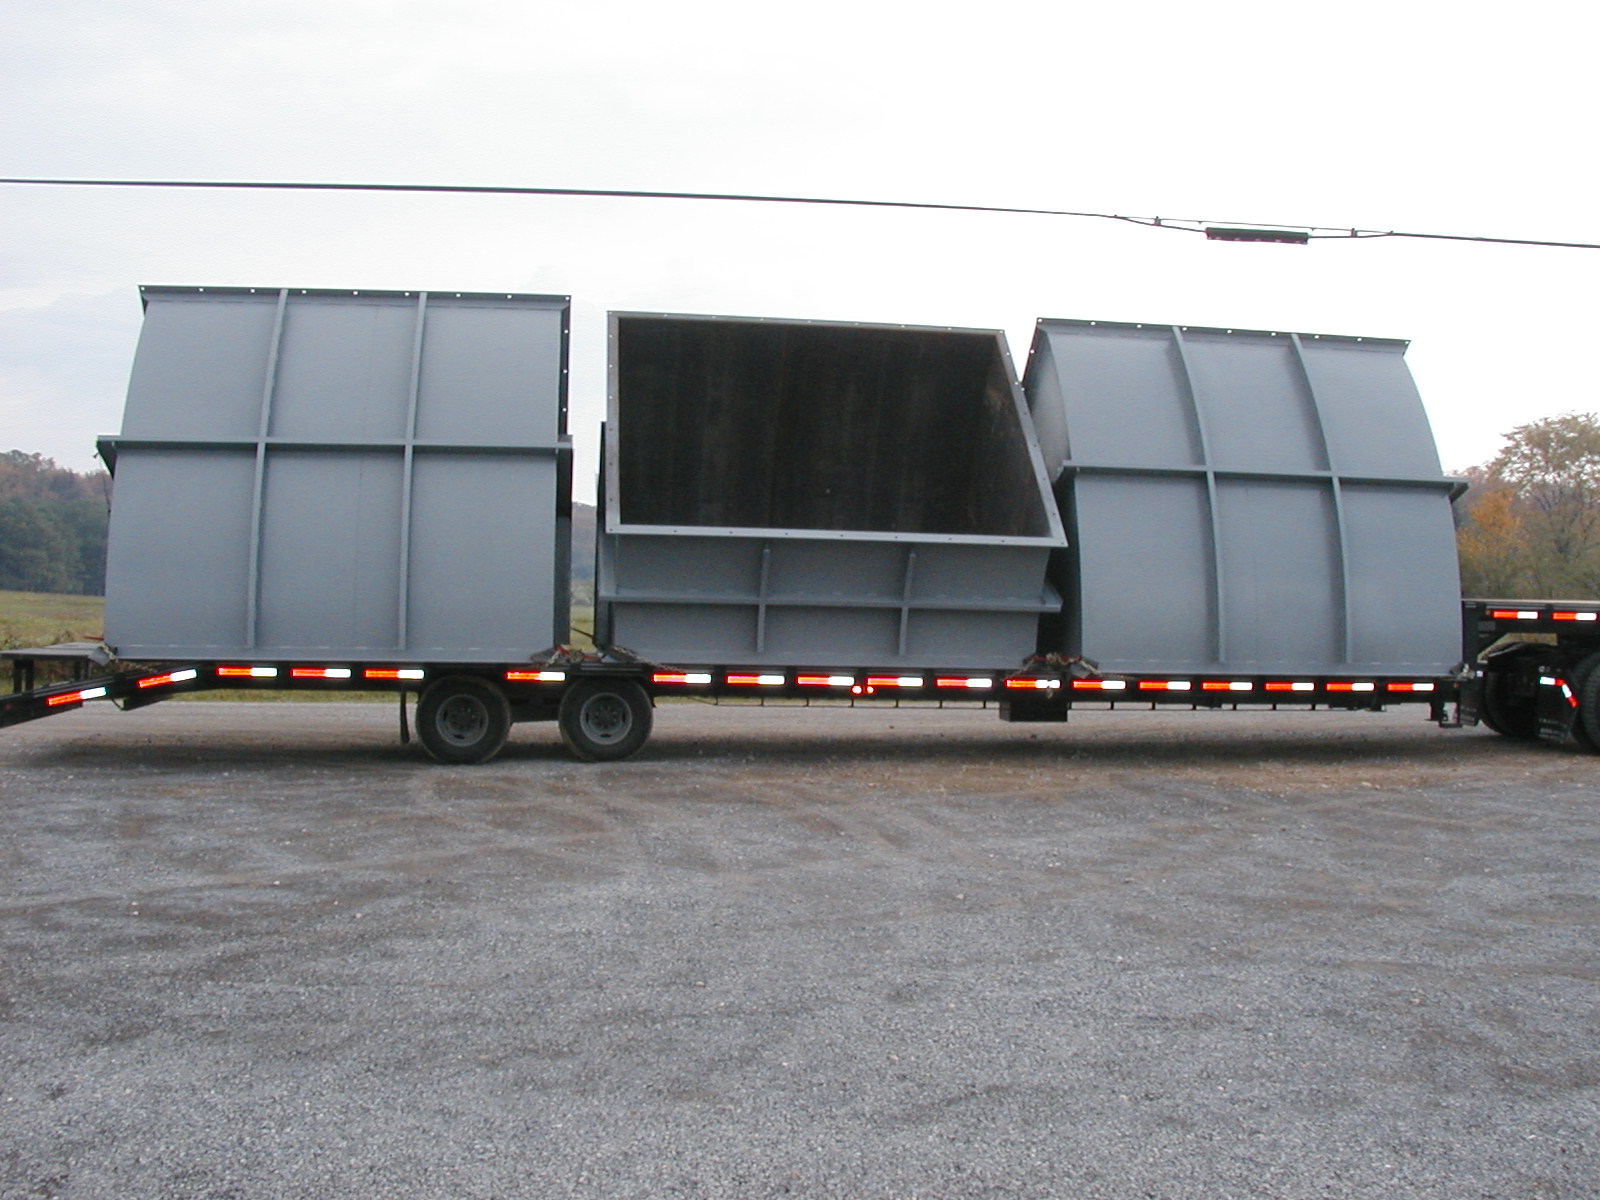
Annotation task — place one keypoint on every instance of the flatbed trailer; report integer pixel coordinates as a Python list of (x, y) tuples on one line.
[(1546, 689), (464, 712), (371, 491)]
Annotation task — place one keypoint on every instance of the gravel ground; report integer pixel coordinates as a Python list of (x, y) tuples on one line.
[(263, 951)]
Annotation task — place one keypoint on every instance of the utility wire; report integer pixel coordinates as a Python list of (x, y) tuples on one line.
[(1184, 225)]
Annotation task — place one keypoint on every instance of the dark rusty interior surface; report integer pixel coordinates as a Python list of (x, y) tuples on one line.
[(746, 424)]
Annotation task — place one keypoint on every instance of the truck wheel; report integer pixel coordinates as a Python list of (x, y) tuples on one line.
[(1511, 716), (1586, 687), (603, 720), (463, 719)]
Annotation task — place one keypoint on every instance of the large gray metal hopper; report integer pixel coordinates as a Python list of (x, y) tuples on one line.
[(799, 493), (332, 476), (1243, 501)]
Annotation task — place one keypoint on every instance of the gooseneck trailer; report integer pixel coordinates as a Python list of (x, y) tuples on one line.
[(372, 491)]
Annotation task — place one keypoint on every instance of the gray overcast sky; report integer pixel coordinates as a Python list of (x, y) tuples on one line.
[(1461, 118)]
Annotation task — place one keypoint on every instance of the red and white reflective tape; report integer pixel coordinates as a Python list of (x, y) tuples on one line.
[(78, 697), (838, 681), (150, 681)]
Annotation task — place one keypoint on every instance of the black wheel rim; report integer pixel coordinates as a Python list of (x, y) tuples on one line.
[(463, 720)]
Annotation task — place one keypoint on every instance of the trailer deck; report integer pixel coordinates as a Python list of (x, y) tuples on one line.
[(1038, 691)]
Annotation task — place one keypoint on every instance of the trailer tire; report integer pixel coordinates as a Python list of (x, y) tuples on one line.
[(603, 720), (1506, 714), (463, 719), (1586, 687)]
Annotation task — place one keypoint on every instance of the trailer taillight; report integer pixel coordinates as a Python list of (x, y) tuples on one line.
[(393, 673), (536, 676), (681, 677), (319, 672), (150, 681), (247, 672), (963, 681)]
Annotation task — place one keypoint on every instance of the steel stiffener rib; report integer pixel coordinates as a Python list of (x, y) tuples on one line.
[(268, 387), (407, 478), (1341, 536), (1218, 597)]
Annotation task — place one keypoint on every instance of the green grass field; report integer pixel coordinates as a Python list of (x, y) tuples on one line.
[(40, 619)]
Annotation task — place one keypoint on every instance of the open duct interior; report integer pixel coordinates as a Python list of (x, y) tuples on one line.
[(773, 425)]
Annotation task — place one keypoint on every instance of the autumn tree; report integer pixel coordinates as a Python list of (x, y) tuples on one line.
[(1529, 526), (1490, 539)]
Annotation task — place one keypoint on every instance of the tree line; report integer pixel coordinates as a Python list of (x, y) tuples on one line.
[(52, 526), (1529, 525)]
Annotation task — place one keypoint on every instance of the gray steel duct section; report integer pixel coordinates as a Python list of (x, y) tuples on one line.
[(815, 494), (1244, 501), (327, 475)]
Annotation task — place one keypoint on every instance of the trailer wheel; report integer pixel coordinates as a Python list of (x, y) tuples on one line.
[(1511, 716), (463, 719), (603, 720)]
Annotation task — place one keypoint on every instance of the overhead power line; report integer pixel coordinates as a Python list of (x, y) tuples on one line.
[(1245, 231)]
